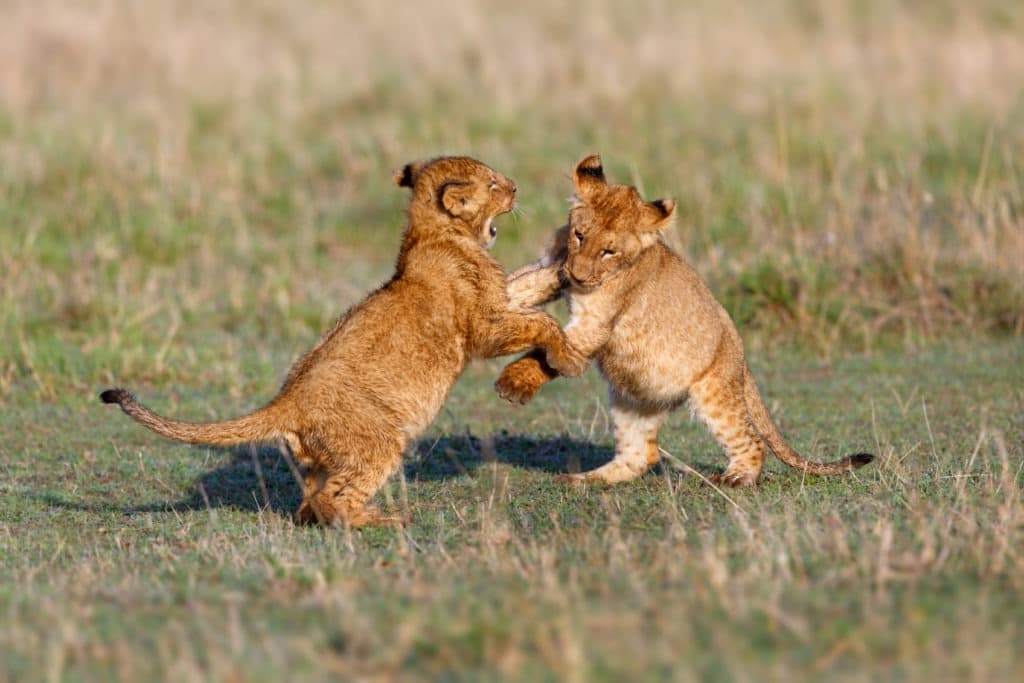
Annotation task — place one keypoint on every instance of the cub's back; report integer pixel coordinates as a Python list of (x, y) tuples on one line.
[(411, 322)]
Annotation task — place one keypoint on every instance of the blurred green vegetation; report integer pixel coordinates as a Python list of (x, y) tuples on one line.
[(191, 192)]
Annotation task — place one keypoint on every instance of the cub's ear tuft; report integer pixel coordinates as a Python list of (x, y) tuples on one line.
[(591, 166), (407, 175), (403, 176), (589, 176), (665, 206)]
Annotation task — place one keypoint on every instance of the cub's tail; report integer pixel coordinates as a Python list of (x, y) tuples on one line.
[(260, 425), (773, 437)]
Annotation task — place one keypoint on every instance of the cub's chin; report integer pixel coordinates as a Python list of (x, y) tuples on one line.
[(584, 286)]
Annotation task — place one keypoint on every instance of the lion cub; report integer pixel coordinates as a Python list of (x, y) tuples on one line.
[(350, 407), (657, 333)]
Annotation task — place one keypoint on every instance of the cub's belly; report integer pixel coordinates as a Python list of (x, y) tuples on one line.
[(651, 373), (417, 410), (638, 382)]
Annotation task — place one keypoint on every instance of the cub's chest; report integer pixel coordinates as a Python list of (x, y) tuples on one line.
[(588, 306), (622, 327), (592, 315)]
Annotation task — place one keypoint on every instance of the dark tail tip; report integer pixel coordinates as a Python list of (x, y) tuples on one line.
[(858, 460), (118, 396)]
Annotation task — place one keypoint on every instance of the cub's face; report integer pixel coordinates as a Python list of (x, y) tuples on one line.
[(462, 192), (609, 226)]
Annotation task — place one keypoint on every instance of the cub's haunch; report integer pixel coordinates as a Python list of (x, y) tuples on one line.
[(657, 333), (350, 407)]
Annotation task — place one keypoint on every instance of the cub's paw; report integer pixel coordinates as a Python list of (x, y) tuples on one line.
[(734, 479), (306, 515), (399, 521), (520, 381), (568, 361), (371, 515)]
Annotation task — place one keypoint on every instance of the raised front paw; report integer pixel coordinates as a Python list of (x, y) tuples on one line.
[(520, 381), (568, 361)]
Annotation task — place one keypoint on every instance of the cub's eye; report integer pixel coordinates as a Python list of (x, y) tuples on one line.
[(605, 253), (493, 185), (578, 235)]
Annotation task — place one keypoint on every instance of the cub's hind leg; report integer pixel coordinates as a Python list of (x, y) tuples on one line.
[(636, 443), (349, 482), (718, 400), (313, 481)]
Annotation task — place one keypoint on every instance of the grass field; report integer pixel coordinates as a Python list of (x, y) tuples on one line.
[(190, 192)]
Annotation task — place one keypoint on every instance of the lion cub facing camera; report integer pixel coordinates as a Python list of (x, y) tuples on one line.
[(349, 408), (657, 333)]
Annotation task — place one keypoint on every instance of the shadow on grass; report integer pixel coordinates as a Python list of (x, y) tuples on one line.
[(254, 480), (454, 455)]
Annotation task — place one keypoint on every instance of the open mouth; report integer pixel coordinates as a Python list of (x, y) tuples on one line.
[(490, 233)]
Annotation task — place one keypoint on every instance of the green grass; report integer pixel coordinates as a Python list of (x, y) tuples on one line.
[(190, 195), (128, 556)]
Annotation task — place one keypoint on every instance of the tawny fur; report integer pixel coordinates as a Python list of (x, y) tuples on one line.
[(351, 406), (657, 333)]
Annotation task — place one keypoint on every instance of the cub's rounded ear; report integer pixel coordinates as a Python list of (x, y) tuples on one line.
[(666, 207), (659, 215), (407, 175), (457, 197), (589, 176)]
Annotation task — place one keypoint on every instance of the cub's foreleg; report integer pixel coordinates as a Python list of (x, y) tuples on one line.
[(515, 331), (520, 380), (534, 285), (542, 281)]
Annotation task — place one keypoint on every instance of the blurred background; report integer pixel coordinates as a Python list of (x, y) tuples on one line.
[(192, 191), (178, 176)]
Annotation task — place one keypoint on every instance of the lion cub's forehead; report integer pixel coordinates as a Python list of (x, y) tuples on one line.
[(625, 196), (610, 198), (447, 169), (618, 208), (460, 166)]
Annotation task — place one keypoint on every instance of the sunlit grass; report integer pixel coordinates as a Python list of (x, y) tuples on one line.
[(191, 192)]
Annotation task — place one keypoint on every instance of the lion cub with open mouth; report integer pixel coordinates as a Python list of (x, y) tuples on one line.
[(350, 407), (657, 333)]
